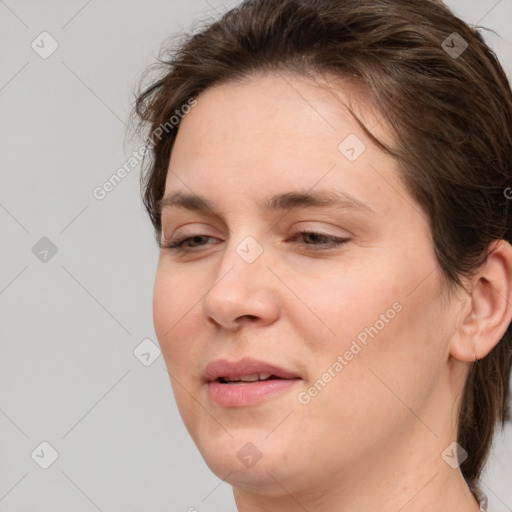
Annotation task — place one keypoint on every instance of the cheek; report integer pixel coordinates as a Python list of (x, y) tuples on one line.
[(392, 343), (175, 310), (175, 305), (339, 307), (376, 318), (386, 361)]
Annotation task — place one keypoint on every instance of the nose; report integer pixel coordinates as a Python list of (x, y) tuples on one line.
[(242, 292)]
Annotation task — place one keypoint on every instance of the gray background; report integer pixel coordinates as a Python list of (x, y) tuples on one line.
[(70, 323)]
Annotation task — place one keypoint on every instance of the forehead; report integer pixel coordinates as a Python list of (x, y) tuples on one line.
[(293, 105), (275, 131)]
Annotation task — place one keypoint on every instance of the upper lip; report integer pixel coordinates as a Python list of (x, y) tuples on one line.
[(246, 366)]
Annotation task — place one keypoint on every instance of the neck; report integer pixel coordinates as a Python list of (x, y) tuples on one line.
[(413, 485), (404, 473)]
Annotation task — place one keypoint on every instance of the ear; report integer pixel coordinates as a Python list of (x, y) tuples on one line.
[(488, 311)]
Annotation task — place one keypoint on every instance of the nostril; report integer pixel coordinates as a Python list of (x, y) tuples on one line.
[(247, 317)]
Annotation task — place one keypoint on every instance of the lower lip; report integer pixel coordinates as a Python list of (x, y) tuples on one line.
[(250, 393)]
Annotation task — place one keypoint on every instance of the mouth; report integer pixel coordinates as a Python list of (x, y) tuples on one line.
[(244, 379), (246, 382)]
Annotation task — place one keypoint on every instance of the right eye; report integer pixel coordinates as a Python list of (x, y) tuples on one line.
[(187, 243)]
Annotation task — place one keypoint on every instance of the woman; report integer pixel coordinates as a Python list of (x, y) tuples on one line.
[(328, 186)]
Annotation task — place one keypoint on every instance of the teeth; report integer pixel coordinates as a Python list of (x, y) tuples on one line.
[(250, 378)]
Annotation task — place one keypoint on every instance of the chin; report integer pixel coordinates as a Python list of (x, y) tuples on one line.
[(245, 464), (262, 478)]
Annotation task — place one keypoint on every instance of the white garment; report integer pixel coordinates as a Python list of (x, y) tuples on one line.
[(481, 498)]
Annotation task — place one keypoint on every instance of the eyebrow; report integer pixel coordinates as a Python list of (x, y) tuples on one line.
[(276, 202)]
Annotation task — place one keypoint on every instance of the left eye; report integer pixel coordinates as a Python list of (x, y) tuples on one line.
[(319, 241)]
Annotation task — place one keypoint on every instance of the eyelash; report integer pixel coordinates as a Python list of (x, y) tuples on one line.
[(178, 245)]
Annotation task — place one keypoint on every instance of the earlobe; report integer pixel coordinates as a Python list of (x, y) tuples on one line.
[(488, 311)]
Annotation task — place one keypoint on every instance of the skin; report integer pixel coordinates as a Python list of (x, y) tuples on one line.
[(372, 438)]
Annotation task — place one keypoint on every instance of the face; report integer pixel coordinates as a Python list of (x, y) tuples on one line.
[(307, 259)]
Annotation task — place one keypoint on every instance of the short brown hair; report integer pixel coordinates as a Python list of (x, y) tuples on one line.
[(451, 113)]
